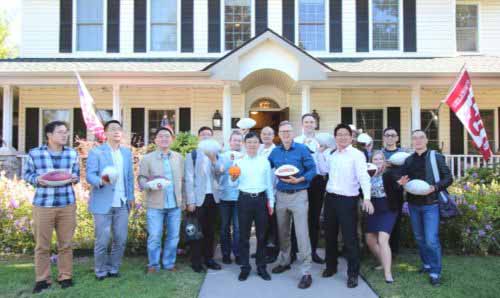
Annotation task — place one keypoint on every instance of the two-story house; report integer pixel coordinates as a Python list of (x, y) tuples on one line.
[(373, 63)]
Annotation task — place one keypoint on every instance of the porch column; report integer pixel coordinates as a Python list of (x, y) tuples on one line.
[(8, 110), (226, 114), (306, 99), (415, 106), (116, 103)]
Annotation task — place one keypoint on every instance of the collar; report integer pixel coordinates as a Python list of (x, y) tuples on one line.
[(423, 153), (163, 155), (292, 146), (108, 146), (348, 148), (387, 150), (46, 148)]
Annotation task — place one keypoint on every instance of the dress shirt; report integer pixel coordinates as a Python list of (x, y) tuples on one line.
[(347, 171), (207, 168), (170, 200), (119, 196), (266, 151), (256, 176), (297, 155)]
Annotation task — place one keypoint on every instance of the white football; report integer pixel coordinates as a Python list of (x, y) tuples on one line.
[(158, 183), (246, 123), (417, 187), (209, 146), (111, 173), (364, 138), (372, 169), (286, 170), (398, 158), (325, 139)]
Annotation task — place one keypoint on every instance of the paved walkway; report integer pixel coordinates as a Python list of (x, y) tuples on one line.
[(225, 284)]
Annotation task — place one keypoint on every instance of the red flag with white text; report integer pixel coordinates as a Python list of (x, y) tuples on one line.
[(92, 121), (461, 101)]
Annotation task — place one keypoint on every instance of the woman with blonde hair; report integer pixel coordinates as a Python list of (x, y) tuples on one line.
[(379, 224)]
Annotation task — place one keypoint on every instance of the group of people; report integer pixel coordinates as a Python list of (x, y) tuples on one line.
[(332, 181)]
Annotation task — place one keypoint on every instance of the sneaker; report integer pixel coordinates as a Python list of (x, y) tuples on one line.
[(435, 281), (40, 286)]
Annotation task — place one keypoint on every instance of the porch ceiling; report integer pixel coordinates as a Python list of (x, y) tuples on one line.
[(267, 77)]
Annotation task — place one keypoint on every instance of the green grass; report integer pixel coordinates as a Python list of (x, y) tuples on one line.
[(17, 280), (462, 276)]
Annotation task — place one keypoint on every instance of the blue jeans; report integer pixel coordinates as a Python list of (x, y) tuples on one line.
[(156, 218), (229, 214), (425, 225)]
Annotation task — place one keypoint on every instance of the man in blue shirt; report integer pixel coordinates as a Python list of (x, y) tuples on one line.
[(291, 200)]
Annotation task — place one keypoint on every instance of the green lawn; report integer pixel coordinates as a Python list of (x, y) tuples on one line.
[(463, 276), (17, 280)]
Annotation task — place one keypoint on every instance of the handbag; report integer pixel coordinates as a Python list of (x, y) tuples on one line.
[(447, 206), (192, 228)]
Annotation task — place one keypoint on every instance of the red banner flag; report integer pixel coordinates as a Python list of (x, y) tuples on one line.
[(461, 101), (90, 117)]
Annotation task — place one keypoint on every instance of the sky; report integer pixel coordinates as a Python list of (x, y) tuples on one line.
[(12, 9)]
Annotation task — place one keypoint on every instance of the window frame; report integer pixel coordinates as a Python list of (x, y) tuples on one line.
[(384, 120), (478, 35), (438, 140), (146, 120), (223, 24), (104, 28), (400, 29), (148, 30)]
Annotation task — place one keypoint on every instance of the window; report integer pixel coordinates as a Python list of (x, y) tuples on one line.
[(90, 25), (372, 123), (312, 25), (53, 115), (430, 124), (238, 22), (488, 117), (160, 118), (467, 27), (163, 25), (385, 24)]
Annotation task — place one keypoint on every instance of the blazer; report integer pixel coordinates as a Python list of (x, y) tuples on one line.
[(195, 179), (101, 196), (152, 165)]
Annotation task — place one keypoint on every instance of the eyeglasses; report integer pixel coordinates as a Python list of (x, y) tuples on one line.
[(343, 135), (285, 131), (391, 136)]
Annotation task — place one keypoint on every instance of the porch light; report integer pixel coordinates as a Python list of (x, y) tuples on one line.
[(217, 121), (254, 112), (316, 116)]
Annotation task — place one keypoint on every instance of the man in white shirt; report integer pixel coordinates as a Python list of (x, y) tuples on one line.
[(347, 172), (267, 137), (316, 190), (255, 203)]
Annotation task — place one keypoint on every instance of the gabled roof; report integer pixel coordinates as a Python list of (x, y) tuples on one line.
[(252, 40)]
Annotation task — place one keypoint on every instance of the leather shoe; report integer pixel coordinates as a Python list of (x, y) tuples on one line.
[(317, 259), (211, 264), (270, 259), (352, 282), (435, 281), (329, 272), (226, 260), (243, 275), (198, 268), (280, 269), (305, 282), (66, 283), (237, 260), (263, 273), (40, 286)]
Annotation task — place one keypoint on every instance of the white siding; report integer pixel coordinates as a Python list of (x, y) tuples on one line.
[(436, 27), (200, 26), (127, 26), (40, 28), (274, 16), (349, 26)]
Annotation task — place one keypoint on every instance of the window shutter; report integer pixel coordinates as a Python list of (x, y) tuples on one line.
[(187, 26), (260, 16), (289, 20), (394, 118), (336, 26), (32, 128), (410, 25), (362, 35), (113, 31), (140, 12), (137, 114), (66, 26), (79, 127), (184, 119), (214, 26), (346, 115), (456, 135)]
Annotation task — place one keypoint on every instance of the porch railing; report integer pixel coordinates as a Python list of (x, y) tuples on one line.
[(459, 164)]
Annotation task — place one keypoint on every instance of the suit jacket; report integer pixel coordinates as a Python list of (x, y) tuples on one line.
[(152, 165), (101, 196), (195, 179)]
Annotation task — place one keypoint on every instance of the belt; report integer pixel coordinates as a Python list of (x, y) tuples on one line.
[(291, 191), (341, 196), (252, 194)]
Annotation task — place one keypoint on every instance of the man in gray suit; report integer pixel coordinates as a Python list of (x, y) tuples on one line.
[(202, 196)]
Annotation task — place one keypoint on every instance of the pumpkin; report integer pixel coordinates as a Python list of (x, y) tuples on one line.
[(234, 171)]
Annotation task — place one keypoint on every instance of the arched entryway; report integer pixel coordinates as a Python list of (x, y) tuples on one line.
[(267, 112)]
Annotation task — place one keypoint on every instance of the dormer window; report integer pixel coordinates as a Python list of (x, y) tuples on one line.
[(385, 25), (90, 25), (312, 25), (163, 25), (467, 27), (237, 22)]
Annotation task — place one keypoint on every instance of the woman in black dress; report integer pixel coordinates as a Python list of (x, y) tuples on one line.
[(379, 225)]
